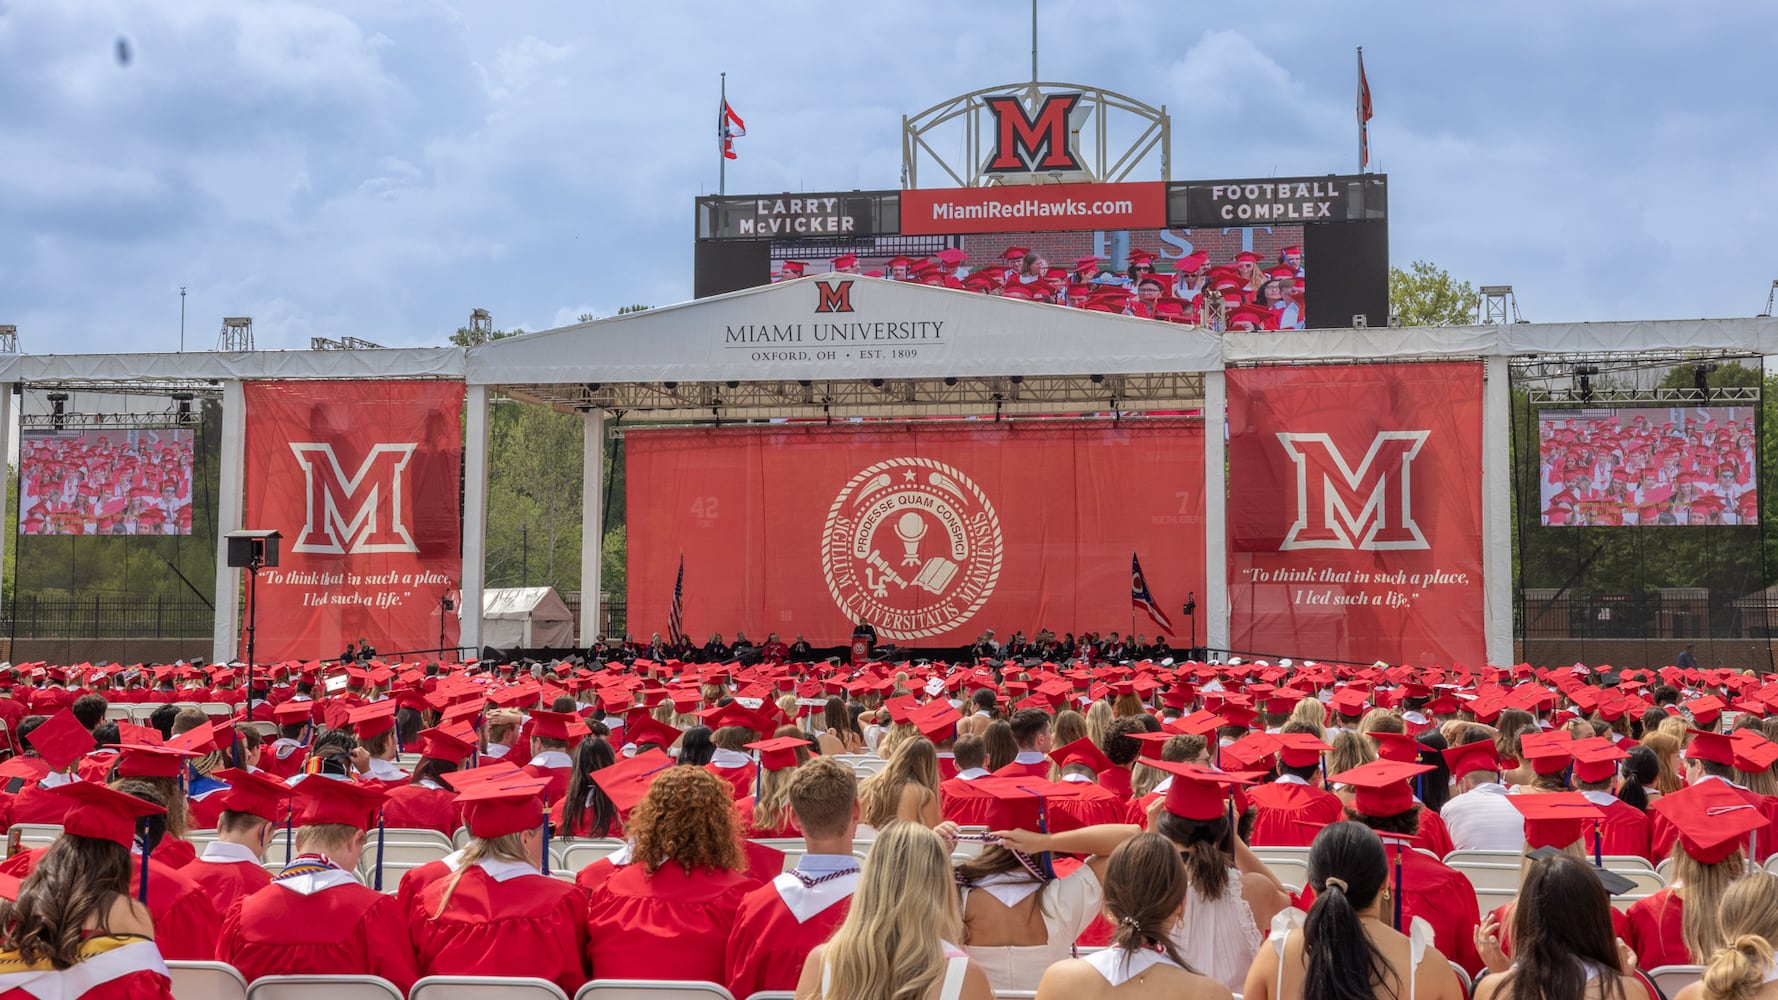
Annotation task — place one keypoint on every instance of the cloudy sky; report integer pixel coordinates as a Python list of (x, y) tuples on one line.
[(377, 168)]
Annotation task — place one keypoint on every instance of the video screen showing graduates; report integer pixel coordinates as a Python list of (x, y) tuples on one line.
[(116, 481), (1681, 465)]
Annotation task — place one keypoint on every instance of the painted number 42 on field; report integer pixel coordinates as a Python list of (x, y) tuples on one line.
[(703, 510)]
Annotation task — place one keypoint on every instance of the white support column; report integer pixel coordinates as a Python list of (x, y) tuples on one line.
[(592, 523), (1497, 525), (475, 518), (7, 415), (232, 477), (1214, 601)]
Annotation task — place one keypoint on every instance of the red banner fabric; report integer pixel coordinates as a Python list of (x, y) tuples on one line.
[(361, 479), (1355, 512), (930, 532)]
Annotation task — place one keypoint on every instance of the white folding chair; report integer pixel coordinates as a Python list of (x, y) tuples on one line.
[(217, 709), (418, 835), (1488, 899), (1266, 854), (1485, 876), (584, 852), (1291, 870), (1626, 863), (36, 834), (1665, 868), (651, 989), (120, 712), (484, 988), (461, 837), (331, 987), (206, 981), (1648, 881), (773, 995), (1483, 857), (1673, 978), (1463, 979)]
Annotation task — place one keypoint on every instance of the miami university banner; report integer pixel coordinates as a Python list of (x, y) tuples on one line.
[(361, 479), (930, 532), (1355, 518)]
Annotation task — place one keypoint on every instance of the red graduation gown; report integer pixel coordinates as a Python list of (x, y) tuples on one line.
[(1662, 833), (594, 875), (414, 882), (556, 776), (226, 881), (739, 778), (206, 809), (528, 925), (347, 929), (414, 806), (1117, 781), (185, 921), (1434, 836), (36, 804), (111, 968), (1624, 831), (585, 827), (1654, 930), (768, 944), (1287, 814), (669, 925), (174, 853), (1444, 898), (1041, 769)]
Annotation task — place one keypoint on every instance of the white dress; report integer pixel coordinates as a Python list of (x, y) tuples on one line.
[(1218, 937), (1291, 919), (1069, 906)]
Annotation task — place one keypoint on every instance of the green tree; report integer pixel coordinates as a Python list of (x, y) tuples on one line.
[(1426, 295)]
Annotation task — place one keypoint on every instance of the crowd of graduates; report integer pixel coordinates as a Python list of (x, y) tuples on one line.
[(1067, 828), (1252, 292)]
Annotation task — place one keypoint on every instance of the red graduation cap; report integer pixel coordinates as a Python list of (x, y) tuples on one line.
[(1201, 723), (558, 726), (1252, 752), (646, 728), (151, 761), (736, 714), (497, 808), (1397, 747), (1382, 786), (937, 721), (1706, 710), (62, 740), (323, 800), (1301, 749), (440, 743), (1713, 747), (1595, 759), (778, 753), (1555, 819), (626, 782), (372, 720), (1084, 752), (294, 713), (254, 793), (1468, 758), (102, 812), (199, 739), (1153, 743), (1712, 819), (1547, 753), (1198, 793)]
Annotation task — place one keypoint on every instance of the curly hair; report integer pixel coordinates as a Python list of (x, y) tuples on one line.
[(688, 816)]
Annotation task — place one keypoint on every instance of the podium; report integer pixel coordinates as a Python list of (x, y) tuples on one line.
[(860, 650)]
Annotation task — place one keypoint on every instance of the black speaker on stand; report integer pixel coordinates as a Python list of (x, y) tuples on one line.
[(252, 551)]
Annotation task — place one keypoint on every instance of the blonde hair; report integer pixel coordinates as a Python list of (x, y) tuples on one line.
[(1311, 713), (889, 947), (1069, 726), (1675, 727), (1702, 887), (1666, 749), (1098, 723), (505, 848), (771, 810), (1349, 751), (914, 761), (898, 733), (1748, 917), (1381, 720), (1127, 706)]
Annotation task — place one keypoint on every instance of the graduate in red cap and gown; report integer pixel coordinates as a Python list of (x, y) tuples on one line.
[(1710, 757), (498, 914), (1423, 886), (779, 923), (1561, 820), (316, 916), (667, 915), (1712, 822), (553, 738), (1291, 810), (428, 801), (253, 808), (90, 862), (61, 742)]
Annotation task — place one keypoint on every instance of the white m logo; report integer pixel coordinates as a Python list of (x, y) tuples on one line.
[(1339, 507), (362, 513)]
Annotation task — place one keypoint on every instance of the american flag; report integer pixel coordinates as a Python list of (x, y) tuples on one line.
[(1141, 599), (676, 613)]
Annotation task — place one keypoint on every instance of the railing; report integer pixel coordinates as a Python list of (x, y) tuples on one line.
[(107, 617)]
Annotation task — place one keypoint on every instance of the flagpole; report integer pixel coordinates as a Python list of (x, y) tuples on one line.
[(721, 151), (1360, 102)]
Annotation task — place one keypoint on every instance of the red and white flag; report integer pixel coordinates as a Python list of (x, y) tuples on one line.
[(1142, 600), (729, 127), (1364, 115)]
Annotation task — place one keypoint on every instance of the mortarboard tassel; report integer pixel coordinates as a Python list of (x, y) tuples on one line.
[(289, 836), (546, 825), (377, 879), (1598, 844), (1399, 847), (142, 826)]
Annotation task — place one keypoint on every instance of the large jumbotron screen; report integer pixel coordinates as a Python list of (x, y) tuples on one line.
[(1682, 465), (117, 481)]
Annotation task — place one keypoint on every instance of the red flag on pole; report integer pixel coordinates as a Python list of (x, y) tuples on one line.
[(729, 127), (1364, 114)]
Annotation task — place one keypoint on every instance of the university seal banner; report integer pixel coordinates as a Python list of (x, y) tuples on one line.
[(932, 533), (361, 479), (1355, 518)]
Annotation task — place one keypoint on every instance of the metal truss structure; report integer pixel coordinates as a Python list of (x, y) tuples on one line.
[(1099, 129)]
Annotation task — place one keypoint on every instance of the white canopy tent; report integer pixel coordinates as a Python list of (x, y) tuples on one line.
[(840, 346), (526, 618)]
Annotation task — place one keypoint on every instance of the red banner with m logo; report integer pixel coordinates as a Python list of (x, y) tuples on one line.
[(1355, 513), (361, 479)]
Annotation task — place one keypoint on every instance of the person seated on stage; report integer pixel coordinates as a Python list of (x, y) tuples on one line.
[(779, 923), (715, 650), (252, 806), (897, 937), (316, 917), (667, 913), (79, 905), (800, 651), (498, 914), (1145, 891)]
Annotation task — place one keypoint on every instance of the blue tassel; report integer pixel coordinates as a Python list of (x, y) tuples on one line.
[(546, 825), (1398, 888), (377, 879), (142, 893), (1598, 845), (289, 836)]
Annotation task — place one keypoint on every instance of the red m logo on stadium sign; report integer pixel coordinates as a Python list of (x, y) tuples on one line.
[(835, 298), (1028, 143), (357, 513), (1342, 507)]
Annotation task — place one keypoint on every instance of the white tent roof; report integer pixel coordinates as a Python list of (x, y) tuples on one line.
[(519, 603)]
